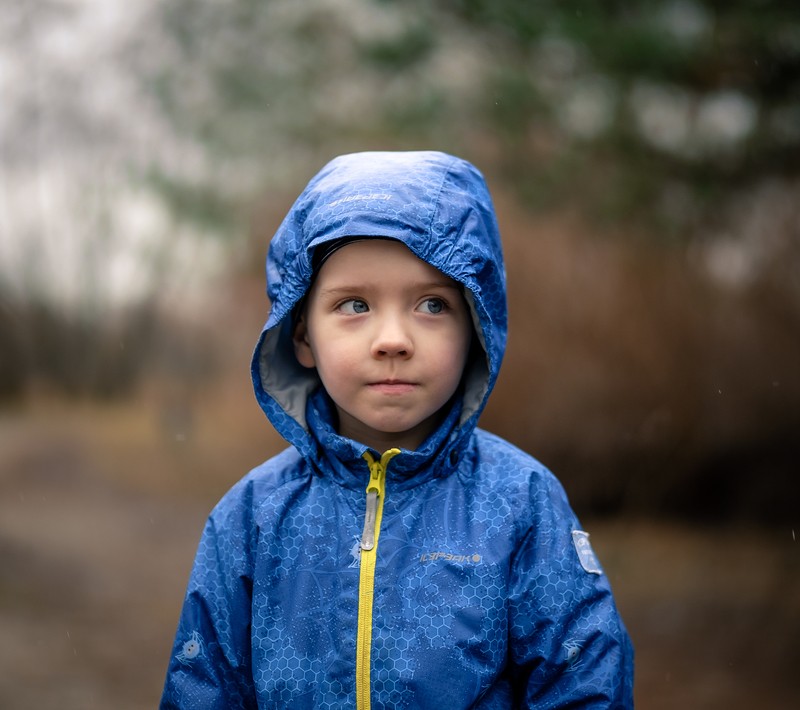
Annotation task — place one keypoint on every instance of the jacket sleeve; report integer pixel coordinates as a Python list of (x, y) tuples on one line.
[(210, 663), (568, 644)]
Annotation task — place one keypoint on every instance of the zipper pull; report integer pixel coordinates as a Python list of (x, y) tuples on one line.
[(375, 492)]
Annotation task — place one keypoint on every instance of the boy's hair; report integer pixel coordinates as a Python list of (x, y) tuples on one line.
[(324, 251)]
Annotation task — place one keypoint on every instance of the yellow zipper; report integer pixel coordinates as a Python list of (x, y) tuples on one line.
[(376, 493)]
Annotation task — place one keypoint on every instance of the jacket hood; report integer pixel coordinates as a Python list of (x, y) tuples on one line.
[(439, 207)]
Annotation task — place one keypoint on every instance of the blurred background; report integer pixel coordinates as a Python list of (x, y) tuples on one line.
[(644, 157)]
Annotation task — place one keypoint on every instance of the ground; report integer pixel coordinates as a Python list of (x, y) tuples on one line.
[(101, 507)]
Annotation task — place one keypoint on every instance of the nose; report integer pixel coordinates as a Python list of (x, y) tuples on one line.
[(392, 338)]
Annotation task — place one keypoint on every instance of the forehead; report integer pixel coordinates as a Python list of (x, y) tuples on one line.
[(385, 261)]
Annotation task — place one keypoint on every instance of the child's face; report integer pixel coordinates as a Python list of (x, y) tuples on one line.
[(389, 336)]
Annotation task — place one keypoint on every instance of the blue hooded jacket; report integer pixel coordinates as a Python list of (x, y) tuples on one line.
[(481, 590)]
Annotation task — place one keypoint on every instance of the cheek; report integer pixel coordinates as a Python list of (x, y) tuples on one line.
[(460, 343), (452, 355), (458, 360), (335, 358)]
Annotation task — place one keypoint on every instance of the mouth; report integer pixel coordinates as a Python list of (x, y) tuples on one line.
[(392, 386)]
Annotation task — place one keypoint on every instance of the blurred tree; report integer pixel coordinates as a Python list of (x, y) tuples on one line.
[(134, 136), (88, 252), (647, 99), (631, 108)]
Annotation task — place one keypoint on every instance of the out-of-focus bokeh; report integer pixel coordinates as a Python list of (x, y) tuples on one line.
[(645, 163)]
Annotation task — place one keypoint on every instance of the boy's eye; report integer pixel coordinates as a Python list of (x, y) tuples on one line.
[(353, 307), (433, 306)]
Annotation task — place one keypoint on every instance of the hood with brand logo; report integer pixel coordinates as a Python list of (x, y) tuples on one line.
[(439, 207)]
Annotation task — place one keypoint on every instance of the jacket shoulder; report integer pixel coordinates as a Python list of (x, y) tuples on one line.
[(283, 469), (526, 483), (511, 462)]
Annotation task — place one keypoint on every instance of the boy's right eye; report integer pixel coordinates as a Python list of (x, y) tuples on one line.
[(353, 306)]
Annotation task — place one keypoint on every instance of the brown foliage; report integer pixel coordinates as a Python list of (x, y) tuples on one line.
[(643, 383)]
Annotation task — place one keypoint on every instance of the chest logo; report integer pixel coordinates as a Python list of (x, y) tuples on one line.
[(473, 558)]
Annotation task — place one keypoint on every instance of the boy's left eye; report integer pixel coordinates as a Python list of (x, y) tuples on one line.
[(433, 306)]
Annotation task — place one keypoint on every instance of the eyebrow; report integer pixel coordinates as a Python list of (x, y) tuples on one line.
[(414, 286)]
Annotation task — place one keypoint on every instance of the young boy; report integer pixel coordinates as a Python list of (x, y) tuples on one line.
[(395, 556)]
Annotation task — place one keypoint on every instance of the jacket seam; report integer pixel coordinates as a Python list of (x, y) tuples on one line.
[(436, 206)]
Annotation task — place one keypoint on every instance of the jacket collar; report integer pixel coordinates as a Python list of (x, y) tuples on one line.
[(341, 457)]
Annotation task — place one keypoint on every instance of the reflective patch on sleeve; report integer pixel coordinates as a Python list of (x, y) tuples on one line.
[(586, 555)]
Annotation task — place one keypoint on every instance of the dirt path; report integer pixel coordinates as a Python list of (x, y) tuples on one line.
[(90, 584)]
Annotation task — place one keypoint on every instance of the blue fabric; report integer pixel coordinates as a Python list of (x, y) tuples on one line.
[(483, 596)]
